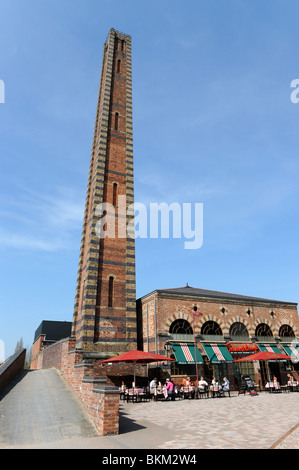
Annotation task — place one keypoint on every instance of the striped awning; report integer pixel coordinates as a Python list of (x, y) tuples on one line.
[(217, 353), (185, 353), (291, 350), (269, 347)]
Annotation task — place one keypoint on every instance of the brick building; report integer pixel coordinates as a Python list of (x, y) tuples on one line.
[(48, 333), (223, 326)]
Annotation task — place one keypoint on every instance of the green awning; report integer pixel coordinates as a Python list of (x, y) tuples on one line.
[(185, 353), (269, 347), (217, 353), (291, 350)]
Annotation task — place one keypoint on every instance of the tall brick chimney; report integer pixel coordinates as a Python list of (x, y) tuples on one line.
[(104, 320)]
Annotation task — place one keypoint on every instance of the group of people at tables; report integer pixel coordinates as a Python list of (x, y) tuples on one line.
[(292, 382), (188, 388), (169, 390), (274, 384)]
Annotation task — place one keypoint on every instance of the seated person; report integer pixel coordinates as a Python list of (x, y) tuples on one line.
[(188, 382), (225, 384), (153, 386), (202, 383), (170, 388), (290, 378)]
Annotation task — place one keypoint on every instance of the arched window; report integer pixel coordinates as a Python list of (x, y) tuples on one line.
[(181, 327), (286, 331), (110, 293), (238, 330), (263, 330), (116, 121), (211, 328)]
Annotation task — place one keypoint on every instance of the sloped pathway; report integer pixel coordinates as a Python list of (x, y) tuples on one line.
[(39, 407)]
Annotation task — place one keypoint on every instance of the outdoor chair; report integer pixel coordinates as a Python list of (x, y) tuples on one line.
[(146, 396), (215, 391), (122, 393), (131, 395), (203, 392), (177, 392)]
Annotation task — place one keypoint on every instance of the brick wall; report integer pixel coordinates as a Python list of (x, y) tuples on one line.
[(36, 348)]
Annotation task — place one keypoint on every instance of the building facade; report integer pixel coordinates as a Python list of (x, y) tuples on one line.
[(223, 326)]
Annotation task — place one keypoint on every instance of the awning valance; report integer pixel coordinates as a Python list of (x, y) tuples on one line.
[(291, 350), (185, 353), (269, 347), (217, 353)]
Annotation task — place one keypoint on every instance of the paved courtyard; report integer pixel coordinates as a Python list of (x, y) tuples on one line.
[(238, 422), (41, 411)]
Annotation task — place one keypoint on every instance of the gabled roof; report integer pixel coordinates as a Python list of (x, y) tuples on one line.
[(206, 293)]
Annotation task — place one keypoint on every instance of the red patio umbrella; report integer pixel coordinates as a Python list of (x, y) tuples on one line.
[(264, 356), (137, 357)]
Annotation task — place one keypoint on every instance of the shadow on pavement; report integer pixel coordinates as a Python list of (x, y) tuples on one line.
[(17, 379), (127, 425)]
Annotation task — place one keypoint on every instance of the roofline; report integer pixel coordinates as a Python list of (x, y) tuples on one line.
[(218, 295)]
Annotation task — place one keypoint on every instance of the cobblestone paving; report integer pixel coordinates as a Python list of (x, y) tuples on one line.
[(238, 422)]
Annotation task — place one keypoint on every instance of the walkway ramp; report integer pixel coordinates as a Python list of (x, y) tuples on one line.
[(39, 407)]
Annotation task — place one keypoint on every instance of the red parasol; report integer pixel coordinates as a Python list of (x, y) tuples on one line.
[(264, 356), (140, 357)]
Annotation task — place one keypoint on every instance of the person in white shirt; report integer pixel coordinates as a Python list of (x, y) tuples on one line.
[(201, 384), (153, 387)]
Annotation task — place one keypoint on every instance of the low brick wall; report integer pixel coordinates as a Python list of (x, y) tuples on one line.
[(100, 399), (102, 403), (12, 367)]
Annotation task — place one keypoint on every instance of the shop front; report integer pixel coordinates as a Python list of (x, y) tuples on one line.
[(260, 371), (218, 359), (238, 351), (207, 359), (187, 359)]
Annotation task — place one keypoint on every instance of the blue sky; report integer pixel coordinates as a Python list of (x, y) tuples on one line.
[(213, 123)]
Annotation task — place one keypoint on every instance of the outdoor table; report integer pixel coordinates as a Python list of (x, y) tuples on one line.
[(135, 394), (216, 390), (273, 386), (160, 393), (188, 392), (293, 386)]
